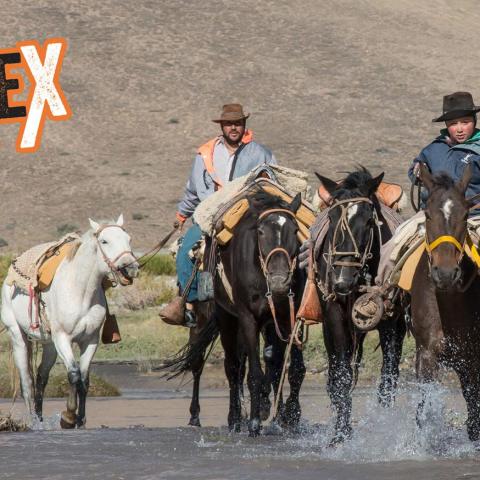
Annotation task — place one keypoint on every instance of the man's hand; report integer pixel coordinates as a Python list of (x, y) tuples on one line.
[(179, 221)]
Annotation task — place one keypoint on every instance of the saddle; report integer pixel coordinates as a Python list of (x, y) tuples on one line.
[(232, 212), (389, 194), (33, 272), (35, 268)]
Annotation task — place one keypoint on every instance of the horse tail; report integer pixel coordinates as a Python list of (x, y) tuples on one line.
[(194, 352)]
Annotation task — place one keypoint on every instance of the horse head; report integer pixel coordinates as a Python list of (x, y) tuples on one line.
[(446, 216), (114, 252), (352, 225), (278, 244)]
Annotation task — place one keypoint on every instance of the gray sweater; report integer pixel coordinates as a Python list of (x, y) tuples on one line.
[(200, 185)]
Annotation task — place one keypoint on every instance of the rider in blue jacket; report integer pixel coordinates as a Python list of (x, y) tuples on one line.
[(457, 146)]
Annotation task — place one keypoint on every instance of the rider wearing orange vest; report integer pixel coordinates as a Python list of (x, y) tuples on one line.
[(232, 154)]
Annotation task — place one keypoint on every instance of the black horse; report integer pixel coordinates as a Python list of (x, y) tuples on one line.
[(260, 268), (348, 259)]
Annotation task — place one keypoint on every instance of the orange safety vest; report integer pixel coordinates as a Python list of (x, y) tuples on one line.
[(206, 151)]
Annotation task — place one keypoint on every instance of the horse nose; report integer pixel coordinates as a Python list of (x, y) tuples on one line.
[(279, 284), (445, 278), (344, 286)]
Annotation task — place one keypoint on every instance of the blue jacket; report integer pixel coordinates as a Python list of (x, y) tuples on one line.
[(441, 157)]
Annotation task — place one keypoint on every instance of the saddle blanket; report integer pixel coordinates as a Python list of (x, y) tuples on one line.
[(289, 182), (35, 268)]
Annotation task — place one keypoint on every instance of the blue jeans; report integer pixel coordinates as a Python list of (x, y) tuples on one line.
[(185, 263)]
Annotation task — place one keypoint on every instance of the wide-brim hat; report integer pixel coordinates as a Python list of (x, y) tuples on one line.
[(231, 112), (457, 105)]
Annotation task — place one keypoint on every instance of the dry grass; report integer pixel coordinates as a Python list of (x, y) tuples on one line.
[(146, 291)]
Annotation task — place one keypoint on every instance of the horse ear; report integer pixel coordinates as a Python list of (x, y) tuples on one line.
[(373, 184), (95, 226), (329, 185), (463, 183), (120, 220), (296, 202), (425, 176)]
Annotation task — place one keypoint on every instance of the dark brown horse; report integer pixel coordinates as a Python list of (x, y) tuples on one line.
[(260, 265), (347, 260), (259, 260), (446, 295)]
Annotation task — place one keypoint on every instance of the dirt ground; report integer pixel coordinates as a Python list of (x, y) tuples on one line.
[(328, 83)]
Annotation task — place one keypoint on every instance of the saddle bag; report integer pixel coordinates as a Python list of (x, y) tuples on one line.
[(205, 289), (310, 311)]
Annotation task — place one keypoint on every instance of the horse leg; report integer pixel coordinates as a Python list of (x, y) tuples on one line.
[(49, 356), (296, 374), (339, 346), (273, 372), (256, 378), (470, 381), (21, 355), (87, 351), (272, 369), (228, 326), (64, 348), (427, 373), (392, 333), (197, 369)]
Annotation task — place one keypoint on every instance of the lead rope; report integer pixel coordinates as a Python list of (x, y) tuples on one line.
[(286, 358)]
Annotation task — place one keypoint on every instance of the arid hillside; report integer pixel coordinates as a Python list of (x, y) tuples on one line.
[(328, 83)]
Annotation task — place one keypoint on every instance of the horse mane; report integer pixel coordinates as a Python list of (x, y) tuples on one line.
[(86, 236), (351, 185), (261, 200), (442, 180), (73, 251)]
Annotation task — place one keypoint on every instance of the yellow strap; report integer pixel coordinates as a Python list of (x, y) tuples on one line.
[(444, 239), (473, 251)]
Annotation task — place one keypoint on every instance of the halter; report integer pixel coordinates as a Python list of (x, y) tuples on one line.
[(291, 267), (343, 228), (431, 246), (114, 270)]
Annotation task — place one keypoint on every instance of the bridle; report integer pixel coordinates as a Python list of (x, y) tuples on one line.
[(333, 257), (264, 261), (114, 270), (292, 262)]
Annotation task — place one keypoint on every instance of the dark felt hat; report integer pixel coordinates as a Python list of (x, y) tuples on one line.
[(231, 112), (457, 105)]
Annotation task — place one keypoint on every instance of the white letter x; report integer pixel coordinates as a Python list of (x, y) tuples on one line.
[(45, 91)]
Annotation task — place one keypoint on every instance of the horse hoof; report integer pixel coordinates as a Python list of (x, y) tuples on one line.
[(67, 420), (291, 414), (235, 427), (194, 422), (340, 438), (254, 428), (81, 423), (265, 412)]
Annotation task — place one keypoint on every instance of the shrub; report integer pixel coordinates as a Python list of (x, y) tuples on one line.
[(160, 264)]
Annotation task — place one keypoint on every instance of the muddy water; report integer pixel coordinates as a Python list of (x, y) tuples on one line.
[(143, 440)]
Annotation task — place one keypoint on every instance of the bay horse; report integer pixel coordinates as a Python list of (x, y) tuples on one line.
[(75, 307), (266, 285), (348, 259), (445, 294)]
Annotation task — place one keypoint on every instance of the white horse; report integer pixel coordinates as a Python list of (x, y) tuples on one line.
[(75, 307)]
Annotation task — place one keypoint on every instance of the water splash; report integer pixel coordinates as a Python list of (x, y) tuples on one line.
[(392, 434)]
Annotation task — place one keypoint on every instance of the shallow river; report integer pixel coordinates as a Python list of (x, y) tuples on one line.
[(386, 443)]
